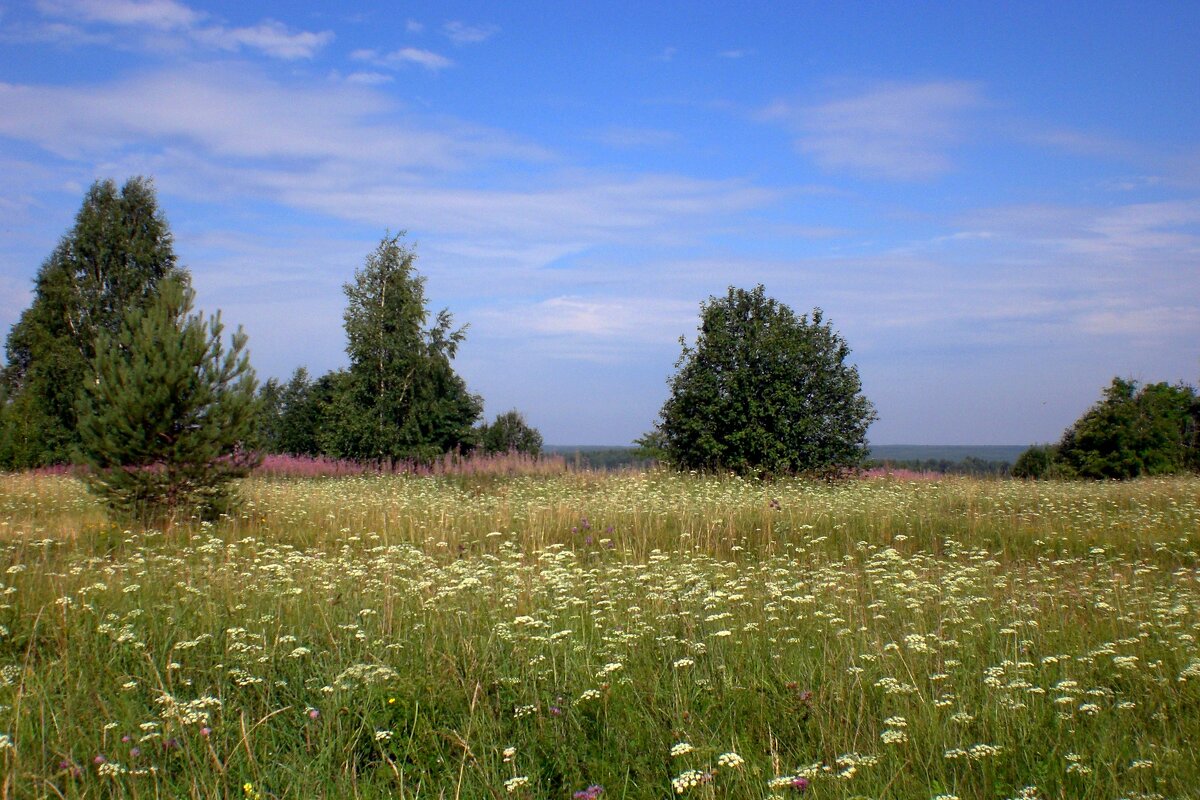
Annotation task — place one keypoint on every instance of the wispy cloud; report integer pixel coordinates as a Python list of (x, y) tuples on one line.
[(351, 152), (269, 36), (735, 53), (405, 55), (590, 328), (57, 33), (229, 110), (368, 78), (895, 131), (1076, 142), (163, 15), (1152, 236), (461, 33)]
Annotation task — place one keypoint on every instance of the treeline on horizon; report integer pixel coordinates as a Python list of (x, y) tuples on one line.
[(763, 392), (399, 400), (619, 458)]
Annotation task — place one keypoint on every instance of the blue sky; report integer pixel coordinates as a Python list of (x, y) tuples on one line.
[(997, 205)]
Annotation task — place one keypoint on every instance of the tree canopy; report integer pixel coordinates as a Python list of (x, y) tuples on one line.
[(763, 391), (1148, 430), (510, 433), (111, 261), (400, 398)]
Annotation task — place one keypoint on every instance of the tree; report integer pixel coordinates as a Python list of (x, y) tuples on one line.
[(162, 422), (289, 418), (300, 416), (401, 399), (1132, 431), (764, 392), (110, 262), (510, 433), (268, 421), (1037, 462)]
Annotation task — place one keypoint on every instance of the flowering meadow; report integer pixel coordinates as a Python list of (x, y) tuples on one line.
[(596, 636)]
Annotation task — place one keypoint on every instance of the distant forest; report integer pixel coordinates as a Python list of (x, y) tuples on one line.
[(977, 460)]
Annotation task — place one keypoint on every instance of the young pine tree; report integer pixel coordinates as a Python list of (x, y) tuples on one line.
[(162, 422)]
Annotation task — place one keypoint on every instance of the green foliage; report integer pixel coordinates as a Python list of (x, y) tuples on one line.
[(400, 399), (1130, 432), (510, 433), (1038, 462), (162, 421), (300, 416), (764, 392), (289, 418), (110, 262), (651, 446), (267, 420), (971, 465)]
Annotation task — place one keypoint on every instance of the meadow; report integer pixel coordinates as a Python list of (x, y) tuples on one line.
[(625, 635)]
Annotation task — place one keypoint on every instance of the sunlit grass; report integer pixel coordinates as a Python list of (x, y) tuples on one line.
[(647, 633)]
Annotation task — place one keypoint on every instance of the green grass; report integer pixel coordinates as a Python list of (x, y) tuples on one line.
[(392, 637)]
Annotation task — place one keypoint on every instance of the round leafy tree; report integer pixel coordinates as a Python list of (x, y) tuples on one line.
[(510, 433), (764, 392), (1147, 430)]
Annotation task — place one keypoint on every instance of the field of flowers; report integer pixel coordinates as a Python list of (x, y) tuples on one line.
[(577, 635)]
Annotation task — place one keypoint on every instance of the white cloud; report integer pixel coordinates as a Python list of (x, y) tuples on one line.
[(1150, 236), (461, 33), (163, 15), (1143, 322), (348, 151), (735, 53), (597, 329), (1076, 142), (59, 33), (590, 207), (425, 58), (269, 36), (405, 55), (228, 111), (368, 78), (895, 131)]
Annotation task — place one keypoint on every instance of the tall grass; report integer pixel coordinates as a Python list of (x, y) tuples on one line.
[(468, 465), (643, 634)]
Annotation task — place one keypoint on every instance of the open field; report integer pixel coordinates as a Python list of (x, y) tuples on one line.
[(651, 634)]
